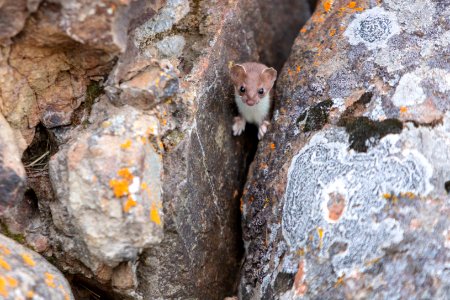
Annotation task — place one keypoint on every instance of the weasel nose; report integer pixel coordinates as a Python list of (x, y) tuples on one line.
[(251, 102)]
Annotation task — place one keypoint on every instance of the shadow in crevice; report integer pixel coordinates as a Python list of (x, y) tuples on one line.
[(285, 20)]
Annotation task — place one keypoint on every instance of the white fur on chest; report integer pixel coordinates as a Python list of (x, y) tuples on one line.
[(254, 114)]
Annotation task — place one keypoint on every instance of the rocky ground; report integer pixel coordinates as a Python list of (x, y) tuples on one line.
[(118, 167)]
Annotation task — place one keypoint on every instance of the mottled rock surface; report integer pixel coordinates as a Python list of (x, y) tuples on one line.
[(12, 178), (26, 275), (348, 195), (107, 187), (134, 178)]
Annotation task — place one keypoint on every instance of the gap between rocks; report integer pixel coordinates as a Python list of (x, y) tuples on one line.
[(275, 54)]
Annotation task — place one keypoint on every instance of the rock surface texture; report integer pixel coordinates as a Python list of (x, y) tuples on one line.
[(123, 112), (348, 195), (27, 275)]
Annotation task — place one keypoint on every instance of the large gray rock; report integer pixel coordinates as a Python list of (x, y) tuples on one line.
[(107, 184), (185, 242), (26, 275), (348, 195)]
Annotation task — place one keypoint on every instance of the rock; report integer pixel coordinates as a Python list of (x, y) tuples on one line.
[(12, 179), (107, 185), (146, 87), (65, 45), (25, 274), (13, 15), (172, 77), (347, 195)]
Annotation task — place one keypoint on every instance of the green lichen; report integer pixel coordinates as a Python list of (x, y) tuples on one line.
[(93, 90), (20, 238)]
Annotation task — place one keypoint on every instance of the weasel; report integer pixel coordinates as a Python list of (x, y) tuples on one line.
[(252, 85)]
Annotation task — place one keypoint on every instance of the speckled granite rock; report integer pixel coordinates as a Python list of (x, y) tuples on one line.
[(93, 83), (26, 275), (348, 195), (107, 185)]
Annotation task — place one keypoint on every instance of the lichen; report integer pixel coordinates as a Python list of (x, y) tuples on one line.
[(315, 117), (364, 132), (325, 166), (373, 28)]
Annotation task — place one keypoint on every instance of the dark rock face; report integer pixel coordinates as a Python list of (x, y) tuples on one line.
[(346, 197)]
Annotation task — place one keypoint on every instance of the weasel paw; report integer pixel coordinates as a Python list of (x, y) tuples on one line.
[(238, 126), (262, 129)]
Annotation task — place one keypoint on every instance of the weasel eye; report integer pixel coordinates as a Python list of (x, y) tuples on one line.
[(242, 89), (261, 91)]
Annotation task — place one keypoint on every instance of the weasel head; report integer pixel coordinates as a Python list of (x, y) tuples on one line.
[(252, 81)]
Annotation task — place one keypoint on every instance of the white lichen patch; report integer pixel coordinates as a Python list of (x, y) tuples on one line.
[(375, 110), (409, 92), (171, 46), (326, 165), (413, 15), (373, 28), (339, 103)]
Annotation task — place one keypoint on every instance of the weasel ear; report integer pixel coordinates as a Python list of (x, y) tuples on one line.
[(237, 74), (268, 76)]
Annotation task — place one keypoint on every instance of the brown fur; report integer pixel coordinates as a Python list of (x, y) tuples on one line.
[(252, 76)]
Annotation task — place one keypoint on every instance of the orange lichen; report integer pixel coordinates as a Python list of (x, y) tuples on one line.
[(241, 205), (403, 109), (339, 281), (28, 260), (266, 202), (5, 250), (303, 30), (352, 4), (359, 9), (372, 261), (3, 290), (129, 204), (154, 215), (298, 69), (387, 196), (332, 32), (49, 279), (144, 186), (143, 139), (320, 233), (164, 122), (66, 295), (126, 144), (125, 174), (30, 294), (327, 5), (272, 146), (120, 187), (300, 286), (12, 282), (4, 264), (409, 195), (160, 145), (301, 252)]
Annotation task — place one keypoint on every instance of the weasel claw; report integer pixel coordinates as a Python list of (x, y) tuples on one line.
[(238, 126), (262, 129)]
